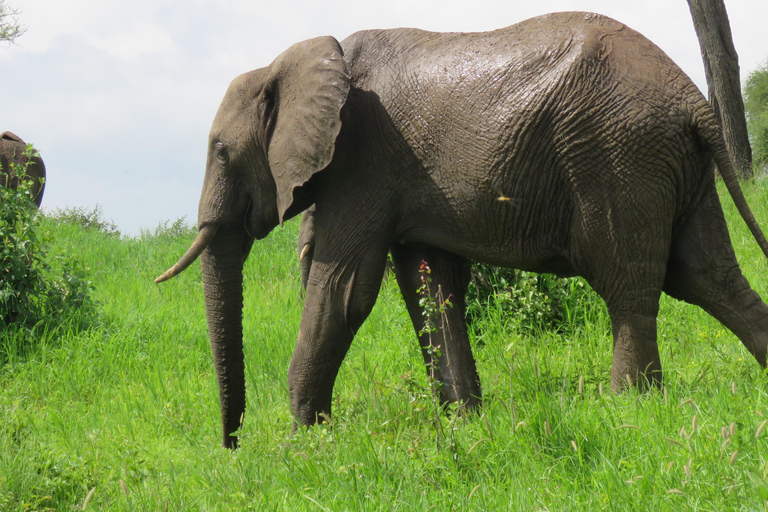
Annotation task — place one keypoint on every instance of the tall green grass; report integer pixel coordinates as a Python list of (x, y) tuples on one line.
[(124, 415)]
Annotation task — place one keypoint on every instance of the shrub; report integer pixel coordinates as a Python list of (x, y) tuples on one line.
[(36, 291), (167, 229), (534, 302), (756, 107), (88, 219), (18, 248)]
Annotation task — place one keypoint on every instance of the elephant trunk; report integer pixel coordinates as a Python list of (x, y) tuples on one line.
[(222, 268)]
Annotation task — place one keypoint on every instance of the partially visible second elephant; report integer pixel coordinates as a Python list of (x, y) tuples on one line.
[(306, 244), (568, 143), (13, 153)]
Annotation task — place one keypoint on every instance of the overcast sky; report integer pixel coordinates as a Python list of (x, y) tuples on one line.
[(118, 96)]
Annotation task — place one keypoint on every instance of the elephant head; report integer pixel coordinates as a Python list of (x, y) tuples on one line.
[(13, 152), (275, 129)]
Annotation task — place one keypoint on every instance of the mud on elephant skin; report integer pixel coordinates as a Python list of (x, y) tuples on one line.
[(568, 143), (12, 151)]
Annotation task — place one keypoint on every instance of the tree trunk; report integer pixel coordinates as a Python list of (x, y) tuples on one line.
[(721, 65)]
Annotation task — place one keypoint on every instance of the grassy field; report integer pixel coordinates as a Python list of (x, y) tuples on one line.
[(124, 416)]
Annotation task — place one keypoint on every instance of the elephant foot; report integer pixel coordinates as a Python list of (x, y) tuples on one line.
[(465, 400), (630, 371), (637, 378), (636, 360)]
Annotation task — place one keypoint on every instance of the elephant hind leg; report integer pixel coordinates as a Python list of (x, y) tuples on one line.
[(632, 294), (703, 270), (636, 360), (623, 257), (453, 365)]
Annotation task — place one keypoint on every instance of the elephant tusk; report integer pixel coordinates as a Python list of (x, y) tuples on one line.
[(204, 237), (304, 251)]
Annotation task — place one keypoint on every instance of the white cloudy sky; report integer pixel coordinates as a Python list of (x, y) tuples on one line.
[(119, 95)]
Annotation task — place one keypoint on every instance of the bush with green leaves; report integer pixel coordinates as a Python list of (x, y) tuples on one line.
[(167, 229), (36, 291), (88, 219), (756, 107), (533, 302)]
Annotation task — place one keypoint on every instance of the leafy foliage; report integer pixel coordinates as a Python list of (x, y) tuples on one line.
[(36, 291), (89, 219), (533, 302), (756, 106), (169, 230)]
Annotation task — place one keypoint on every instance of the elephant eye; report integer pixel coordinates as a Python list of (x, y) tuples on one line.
[(222, 152)]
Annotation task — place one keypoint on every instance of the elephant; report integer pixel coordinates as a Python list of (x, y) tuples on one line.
[(12, 149), (568, 143)]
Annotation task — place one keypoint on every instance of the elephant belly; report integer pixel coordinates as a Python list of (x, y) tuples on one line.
[(508, 233), (543, 259)]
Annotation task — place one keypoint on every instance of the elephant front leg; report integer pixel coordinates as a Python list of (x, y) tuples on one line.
[(447, 351), (340, 295)]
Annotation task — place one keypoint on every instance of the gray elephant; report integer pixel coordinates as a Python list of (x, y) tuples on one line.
[(12, 151), (568, 143)]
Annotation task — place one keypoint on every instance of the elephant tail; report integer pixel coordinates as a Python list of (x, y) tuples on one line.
[(709, 130)]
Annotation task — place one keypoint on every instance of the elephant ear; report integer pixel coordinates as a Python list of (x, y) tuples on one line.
[(311, 87)]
